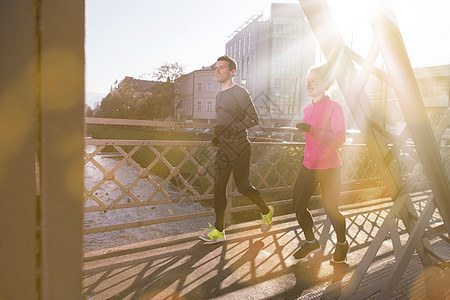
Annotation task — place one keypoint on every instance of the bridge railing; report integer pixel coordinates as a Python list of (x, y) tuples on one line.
[(122, 174), (176, 179)]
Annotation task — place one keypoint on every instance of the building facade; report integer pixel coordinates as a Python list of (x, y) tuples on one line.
[(195, 96), (273, 58), (434, 86)]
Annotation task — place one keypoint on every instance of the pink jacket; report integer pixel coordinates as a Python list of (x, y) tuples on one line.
[(326, 135)]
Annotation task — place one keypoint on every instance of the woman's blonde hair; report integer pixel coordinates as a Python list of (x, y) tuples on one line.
[(325, 73)]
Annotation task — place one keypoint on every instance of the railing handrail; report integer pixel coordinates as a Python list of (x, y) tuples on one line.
[(178, 125), (196, 182), (266, 172)]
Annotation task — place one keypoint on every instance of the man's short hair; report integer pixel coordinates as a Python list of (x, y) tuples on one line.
[(231, 62)]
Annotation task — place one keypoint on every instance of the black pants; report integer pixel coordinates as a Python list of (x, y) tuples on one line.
[(234, 157), (330, 185)]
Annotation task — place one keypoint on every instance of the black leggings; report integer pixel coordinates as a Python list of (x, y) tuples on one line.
[(330, 185), (239, 163)]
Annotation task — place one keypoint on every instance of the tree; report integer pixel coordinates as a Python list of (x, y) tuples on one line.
[(156, 105), (168, 72), (89, 111), (131, 102), (112, 107)]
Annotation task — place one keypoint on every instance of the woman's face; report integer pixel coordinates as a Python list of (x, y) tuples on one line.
[(315, 86)]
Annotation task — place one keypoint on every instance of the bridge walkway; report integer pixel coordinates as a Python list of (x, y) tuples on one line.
[(255, 265)]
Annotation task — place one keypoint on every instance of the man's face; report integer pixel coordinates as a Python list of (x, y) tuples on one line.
[(223, 73)]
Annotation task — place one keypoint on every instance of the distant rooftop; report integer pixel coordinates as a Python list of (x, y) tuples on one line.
[(249, 21), (139, 85)]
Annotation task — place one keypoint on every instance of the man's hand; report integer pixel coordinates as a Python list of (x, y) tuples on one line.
[(219, 130), (303, 127)]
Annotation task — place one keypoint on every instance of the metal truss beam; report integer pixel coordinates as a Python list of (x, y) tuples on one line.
[(410, 100), (389, 43)]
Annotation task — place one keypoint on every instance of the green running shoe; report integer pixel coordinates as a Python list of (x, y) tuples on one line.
[(213, 236), (267, 220)]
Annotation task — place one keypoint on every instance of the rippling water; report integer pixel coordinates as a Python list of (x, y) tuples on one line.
[(109, 191)]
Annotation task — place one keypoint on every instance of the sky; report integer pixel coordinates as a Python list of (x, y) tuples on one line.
[(135, 37)]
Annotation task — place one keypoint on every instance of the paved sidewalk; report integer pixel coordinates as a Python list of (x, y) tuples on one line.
[(249, 265)]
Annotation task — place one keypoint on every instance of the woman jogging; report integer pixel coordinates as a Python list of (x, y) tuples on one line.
[(324, 128)]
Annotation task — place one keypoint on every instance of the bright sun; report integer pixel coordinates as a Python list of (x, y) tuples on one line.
[(422, 25), (353, 18)]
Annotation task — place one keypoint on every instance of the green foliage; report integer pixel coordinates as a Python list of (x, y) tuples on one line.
[(89, 111), (111, 132), (130, 101), (127, 104), (112, 106), (168, 72)]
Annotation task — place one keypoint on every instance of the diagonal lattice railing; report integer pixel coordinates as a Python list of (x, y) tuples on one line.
[(124, 174)]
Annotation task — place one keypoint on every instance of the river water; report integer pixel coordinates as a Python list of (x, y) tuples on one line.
[(109, 191)]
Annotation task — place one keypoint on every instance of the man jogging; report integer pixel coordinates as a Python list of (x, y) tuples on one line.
[(235, 113)]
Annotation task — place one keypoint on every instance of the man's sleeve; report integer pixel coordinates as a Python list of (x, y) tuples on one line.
[(250, 116)]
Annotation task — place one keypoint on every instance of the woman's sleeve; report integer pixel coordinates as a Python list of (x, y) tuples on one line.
[(336, 135)]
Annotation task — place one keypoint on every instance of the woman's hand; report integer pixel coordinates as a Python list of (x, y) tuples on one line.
[(303, 127)]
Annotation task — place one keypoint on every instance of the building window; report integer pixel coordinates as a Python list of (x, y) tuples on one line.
[(243, 46), (234, 52), (248, 68), (276, 69), (209, 106), (239, 49), (292, 83), (199, 87), (277, 83), (278, 28), (199, 105), (290, 43), (294, 29), (210, 87), (249, 40), (238, 73), (244, 73), (431, 87)]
